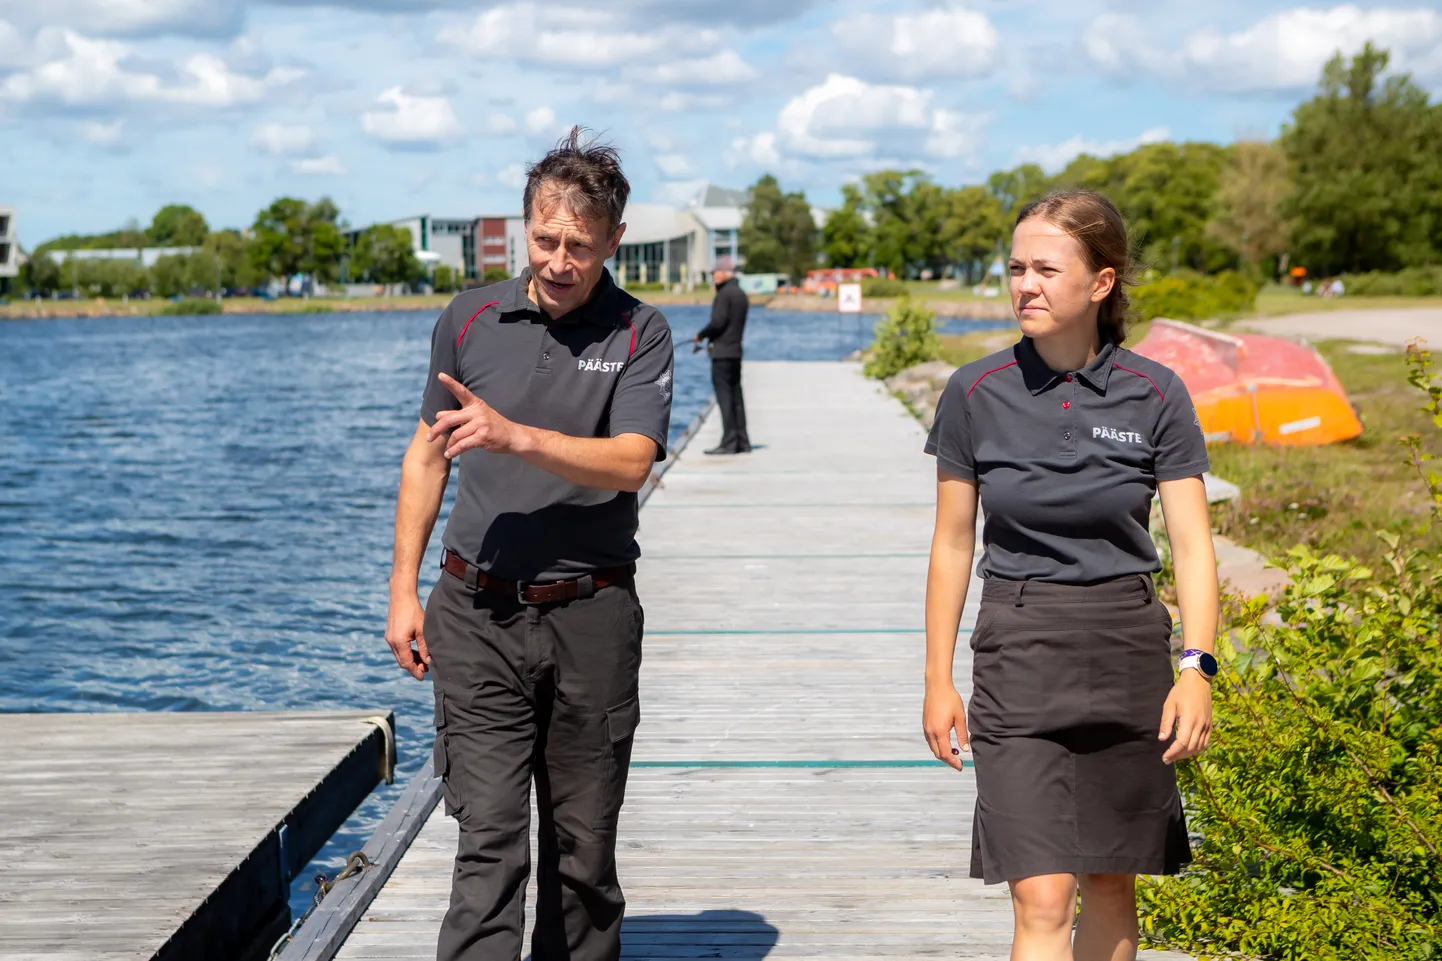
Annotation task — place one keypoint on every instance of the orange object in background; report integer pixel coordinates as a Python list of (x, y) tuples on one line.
[(1252, 389)]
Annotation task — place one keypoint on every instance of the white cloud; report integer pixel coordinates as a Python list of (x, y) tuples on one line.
[(501, 124), (327, 166), (1054, 157), (844, 117), (574, 37), (88, 72), (678, 101), (759, 150), (723, 68), (934, 43), (512, 175), (673, 165), (279, 140), (1281, 52), (677, 193), (411, 119), (540, 120), (104, 134), (955, 134), (132, 17)]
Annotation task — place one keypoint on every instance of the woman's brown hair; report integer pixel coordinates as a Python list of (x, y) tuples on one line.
[(1099, 227)]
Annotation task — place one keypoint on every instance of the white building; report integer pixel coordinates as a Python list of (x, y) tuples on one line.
[(9, 247), (145, 256), (671, 245)]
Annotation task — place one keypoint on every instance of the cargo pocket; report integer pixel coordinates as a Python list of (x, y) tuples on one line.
[(441, 761), (621, 723)]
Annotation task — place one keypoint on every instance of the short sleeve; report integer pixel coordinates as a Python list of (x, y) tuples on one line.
[(436, 398), (1179, 448), (642, 401), (950, 437)]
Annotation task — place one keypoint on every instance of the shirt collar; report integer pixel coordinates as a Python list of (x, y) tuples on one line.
[(518, 299), (1039, 377)]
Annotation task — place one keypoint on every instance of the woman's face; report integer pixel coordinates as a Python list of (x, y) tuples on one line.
[(1052, 288)]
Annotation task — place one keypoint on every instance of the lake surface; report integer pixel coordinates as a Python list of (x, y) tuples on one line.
[(195, 512)]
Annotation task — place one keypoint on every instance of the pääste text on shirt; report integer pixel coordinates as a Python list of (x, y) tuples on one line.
[(1119, 436)]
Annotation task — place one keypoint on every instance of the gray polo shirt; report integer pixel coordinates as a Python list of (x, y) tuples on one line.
[(1067, 464), (600, 371)]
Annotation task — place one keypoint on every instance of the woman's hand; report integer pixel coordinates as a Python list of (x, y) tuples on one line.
[(1189, 711), (943, 711)]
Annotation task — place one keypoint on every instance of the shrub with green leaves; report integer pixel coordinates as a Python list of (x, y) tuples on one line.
[(882, 287), (1319, 805), (191, 307), (1188, 296), (1412, 282), (905, 337)]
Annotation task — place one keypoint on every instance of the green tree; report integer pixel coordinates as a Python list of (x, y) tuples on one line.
[(177, 225), (293, 237), (972, 228), (237, 268), (846, 237), (384, 254), (778, 233), (1016, 188), (1367, 170), (1168, 193), (40, 274), (893, 232), (1248, 219), (167, 275)]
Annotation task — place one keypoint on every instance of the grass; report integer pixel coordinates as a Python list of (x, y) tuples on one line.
[(1335, 498), (1275, 301)]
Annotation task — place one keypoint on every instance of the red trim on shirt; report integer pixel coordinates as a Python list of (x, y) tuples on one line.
[(462, 334), (632, 351), (1143, 376), (988, 374)]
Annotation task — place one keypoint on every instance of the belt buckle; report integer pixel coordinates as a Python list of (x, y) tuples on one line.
[(521, 588)]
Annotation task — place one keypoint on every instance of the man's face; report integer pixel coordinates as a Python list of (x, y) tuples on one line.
[(567, 253)]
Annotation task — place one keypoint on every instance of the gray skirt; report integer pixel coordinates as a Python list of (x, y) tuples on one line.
[(1069, 682)]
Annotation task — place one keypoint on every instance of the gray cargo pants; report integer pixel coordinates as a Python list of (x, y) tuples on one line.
[(546, 692)]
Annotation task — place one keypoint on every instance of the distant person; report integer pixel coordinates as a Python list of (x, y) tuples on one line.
[(1336, 289), (1076, 715), (553, 390), (728, 325)]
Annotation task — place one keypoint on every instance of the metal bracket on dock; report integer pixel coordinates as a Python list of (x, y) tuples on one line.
[(384, 723)]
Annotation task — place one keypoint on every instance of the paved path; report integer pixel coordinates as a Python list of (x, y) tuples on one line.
[(1396, 326), (782, 802)]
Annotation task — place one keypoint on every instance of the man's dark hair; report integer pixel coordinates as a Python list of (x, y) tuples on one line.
[(587, 172)]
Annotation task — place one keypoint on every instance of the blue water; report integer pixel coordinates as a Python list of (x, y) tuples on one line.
[(195, 512)]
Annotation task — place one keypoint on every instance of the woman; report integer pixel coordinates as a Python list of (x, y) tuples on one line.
[(1076, 715)]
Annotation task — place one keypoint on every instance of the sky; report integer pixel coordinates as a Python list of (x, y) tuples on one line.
[(111, 108)]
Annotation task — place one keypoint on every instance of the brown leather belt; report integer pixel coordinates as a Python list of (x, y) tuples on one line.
[(527, 593)]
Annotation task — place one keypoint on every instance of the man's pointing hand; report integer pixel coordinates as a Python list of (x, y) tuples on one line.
[(474, 425)]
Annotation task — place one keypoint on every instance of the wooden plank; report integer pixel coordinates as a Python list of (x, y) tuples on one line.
[(169, 836), (782, 803)]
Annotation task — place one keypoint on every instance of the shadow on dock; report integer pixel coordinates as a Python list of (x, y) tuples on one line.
[(735, 935)]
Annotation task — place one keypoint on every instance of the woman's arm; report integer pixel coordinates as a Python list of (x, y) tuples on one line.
[(1189, 529), (953, 547)]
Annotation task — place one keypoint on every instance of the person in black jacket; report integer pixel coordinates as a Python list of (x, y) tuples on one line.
[(728, 324)]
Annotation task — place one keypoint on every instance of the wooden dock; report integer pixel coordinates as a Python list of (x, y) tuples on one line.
[(782, 801), (170, 836)]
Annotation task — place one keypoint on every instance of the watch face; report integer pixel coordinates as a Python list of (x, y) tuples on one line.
[(1208, 664)]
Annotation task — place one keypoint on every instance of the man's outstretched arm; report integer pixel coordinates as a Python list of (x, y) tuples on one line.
[(621, 463)]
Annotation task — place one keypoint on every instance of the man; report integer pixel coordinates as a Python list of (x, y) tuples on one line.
[(554, 391), (728, 324)]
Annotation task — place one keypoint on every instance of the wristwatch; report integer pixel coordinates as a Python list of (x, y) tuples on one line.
[(1205, 664)]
